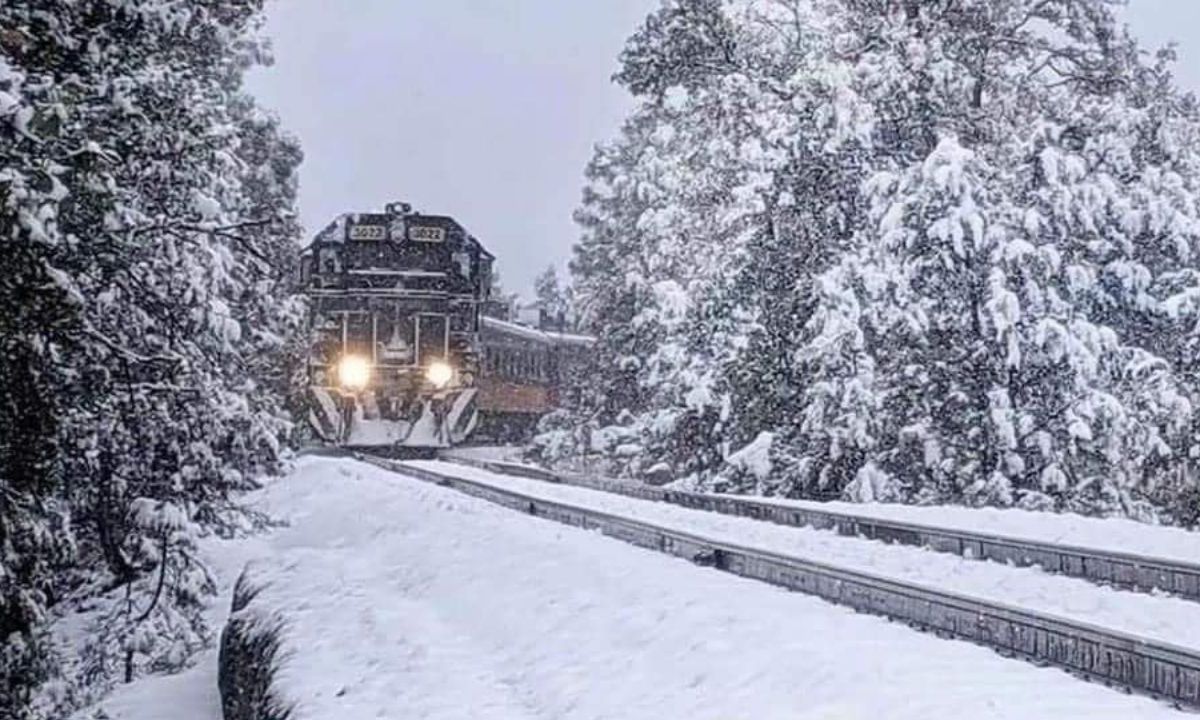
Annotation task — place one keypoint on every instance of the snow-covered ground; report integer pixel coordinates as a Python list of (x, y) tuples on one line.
[(1165, 619), (494, 453), (1107, 534), (191, 694), (409, 600)]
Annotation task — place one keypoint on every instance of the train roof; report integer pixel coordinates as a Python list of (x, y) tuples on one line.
[(523, 332), (338, 230)]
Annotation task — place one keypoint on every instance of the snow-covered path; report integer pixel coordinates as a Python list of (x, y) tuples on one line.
[(408, 600)]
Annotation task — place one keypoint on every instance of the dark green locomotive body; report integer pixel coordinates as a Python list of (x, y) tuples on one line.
[(394, 319)]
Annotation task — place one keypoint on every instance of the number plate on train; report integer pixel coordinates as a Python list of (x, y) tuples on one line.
[(424, 233), (368, 232)]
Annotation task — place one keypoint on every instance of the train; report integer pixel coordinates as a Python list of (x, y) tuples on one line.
[(401, 352)]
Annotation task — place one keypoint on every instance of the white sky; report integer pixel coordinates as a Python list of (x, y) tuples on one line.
[(487, 110)]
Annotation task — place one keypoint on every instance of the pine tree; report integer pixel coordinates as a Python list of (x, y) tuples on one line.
[(552, 299), (725, 154), (610, 270), (149, 211), (986, 307), (33, 542), (914, 251)]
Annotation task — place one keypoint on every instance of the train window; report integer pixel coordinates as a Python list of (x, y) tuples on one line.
[(462, 262), (359, 334), (463, 320), (369, 254), (423, 256), (329, 261), (432, 338), (483, 279)]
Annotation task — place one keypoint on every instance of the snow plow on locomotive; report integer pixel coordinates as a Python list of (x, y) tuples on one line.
[(399, 355)]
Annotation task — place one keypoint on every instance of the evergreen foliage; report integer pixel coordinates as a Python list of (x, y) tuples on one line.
[(926, 252), (146, 216), (553, 300)]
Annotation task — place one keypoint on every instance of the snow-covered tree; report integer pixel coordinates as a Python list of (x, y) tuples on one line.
[(723, 159), (146, 211), (552, 298), (919, 251), (610, 274), (991, 374)]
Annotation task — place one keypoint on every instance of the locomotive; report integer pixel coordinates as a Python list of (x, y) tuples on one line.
[(401, 355)]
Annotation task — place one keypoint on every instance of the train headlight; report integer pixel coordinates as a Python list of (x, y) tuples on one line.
[(354, 372), (439, 373)]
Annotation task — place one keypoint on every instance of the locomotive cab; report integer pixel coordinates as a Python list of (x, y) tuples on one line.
[(394, 323)]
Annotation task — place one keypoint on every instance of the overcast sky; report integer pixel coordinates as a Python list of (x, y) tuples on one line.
[(486, 110)]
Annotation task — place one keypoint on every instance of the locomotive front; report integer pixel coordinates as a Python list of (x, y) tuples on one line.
[(394, 321)]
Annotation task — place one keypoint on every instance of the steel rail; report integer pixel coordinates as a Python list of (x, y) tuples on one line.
[(1117, 659), (1129, 571)]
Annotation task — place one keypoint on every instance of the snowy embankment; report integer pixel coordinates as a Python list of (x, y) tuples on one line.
[(493, 453), (1113, 535), (404, 599), (1165, 619), (1116, 535)]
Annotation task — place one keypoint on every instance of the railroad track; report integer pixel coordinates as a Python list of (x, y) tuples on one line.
[(1121, 660), (1124, 570)]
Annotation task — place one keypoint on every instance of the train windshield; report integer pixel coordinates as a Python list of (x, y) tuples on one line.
[(432, 338)]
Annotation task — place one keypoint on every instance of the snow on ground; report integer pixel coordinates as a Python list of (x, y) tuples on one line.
[(1108, 534), (1166, 619), (409, 600), (191, 694), (492, 453)]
